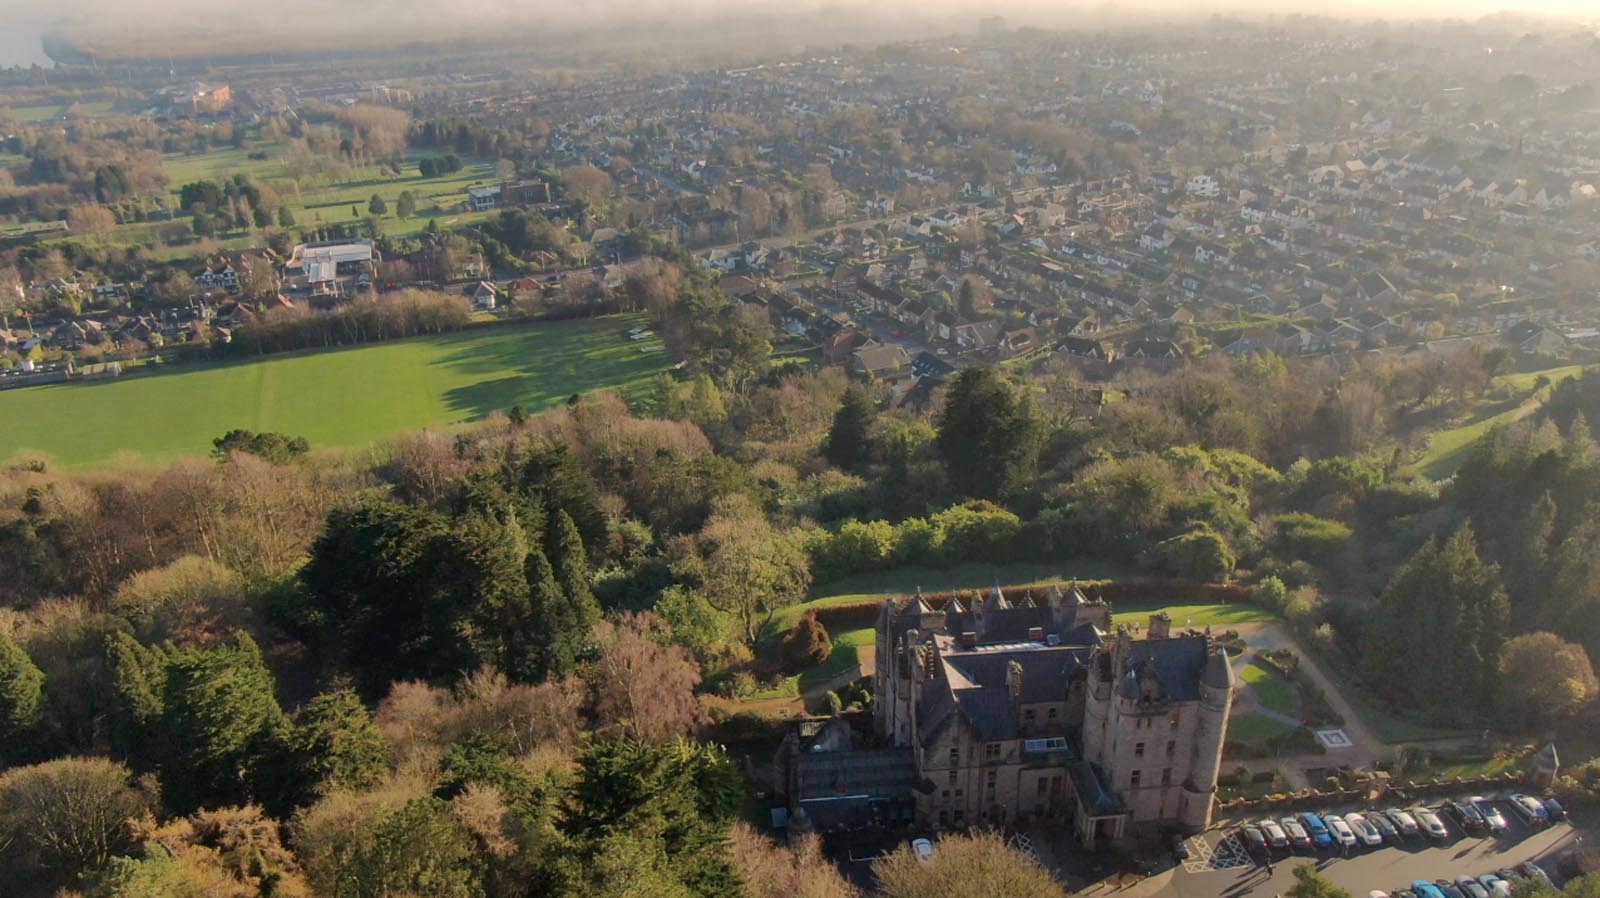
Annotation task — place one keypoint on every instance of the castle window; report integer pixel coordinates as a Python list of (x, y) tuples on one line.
[(1138, 749), (945, 794), (1176, 719), (1050, 714), (991, 751), (959, 793), (1028, 717), (944, 818), (1133, 779), (1172, 748), (955, 757), (992, 775), (952, 777), (1166, 777)]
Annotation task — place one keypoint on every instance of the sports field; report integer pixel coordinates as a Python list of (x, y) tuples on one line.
[(342, 398)]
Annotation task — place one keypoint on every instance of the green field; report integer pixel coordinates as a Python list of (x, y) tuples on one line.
[(1272, 690), (339, 398), (1255, 727), (1447, 449)]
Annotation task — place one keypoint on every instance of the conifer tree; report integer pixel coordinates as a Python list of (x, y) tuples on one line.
[(847, 445), (22, 702)]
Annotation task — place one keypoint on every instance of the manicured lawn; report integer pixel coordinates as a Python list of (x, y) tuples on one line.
[(1447, 449), (1198, 615), (1274, 692), (341, 398), (1255, 727)]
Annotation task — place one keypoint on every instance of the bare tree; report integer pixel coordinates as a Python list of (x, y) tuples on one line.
[(643, 687)]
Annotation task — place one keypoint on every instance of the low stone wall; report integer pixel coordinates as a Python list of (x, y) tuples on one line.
[(1311, 799)]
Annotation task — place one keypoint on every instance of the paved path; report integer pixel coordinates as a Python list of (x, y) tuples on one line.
[(1366, 747)]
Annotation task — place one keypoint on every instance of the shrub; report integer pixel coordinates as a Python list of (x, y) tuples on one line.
[(807, 645)]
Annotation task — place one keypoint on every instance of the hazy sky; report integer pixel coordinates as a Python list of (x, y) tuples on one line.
[(22, 20)]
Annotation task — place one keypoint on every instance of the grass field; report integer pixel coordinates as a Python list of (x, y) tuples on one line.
[(1447, 449), (340, 398), (1272, 690), (1254, 727)]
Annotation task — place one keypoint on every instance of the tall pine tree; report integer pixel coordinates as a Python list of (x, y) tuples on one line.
[(564, 547), (22, 703), (847, 446), (560, 638)]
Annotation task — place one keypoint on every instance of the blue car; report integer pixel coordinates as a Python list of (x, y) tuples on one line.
[(1426, 889), (1316, 829)]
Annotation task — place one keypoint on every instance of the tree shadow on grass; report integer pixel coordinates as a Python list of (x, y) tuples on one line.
[(479, 399)]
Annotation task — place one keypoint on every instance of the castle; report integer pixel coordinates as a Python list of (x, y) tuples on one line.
[(1014, 712)]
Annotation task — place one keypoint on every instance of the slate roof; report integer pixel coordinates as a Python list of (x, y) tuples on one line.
[(1179, 664)]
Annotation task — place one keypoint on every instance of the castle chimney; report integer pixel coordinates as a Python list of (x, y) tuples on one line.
[(1160, 625), (1014, 687)]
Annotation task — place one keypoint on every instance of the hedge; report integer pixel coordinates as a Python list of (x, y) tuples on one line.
[(1142, 591)]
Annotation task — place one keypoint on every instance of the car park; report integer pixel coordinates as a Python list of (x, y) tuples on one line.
[(1255, 842), (1384, 826), (1340, 830), (1467, 816), (1298, 838), (1471, 887), (1316, 829), (1429, 823), (1404, 822), (1276, 837), (1364, 830), (1492, 817)]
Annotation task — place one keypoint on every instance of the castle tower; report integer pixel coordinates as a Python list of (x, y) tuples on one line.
[(1216, 700)]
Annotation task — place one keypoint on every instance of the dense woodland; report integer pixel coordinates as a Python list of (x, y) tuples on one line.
[(481, 663)]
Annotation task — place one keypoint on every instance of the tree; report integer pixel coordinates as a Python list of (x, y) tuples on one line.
[(806, 645), (278, 448), (1310, 883), (91, 219), (745, 567), (231, 852), (563, 630), (420, 849), (285, 217), (1542, 677), (336, 744), (986, 435), (643, 687), (571, 563), (22, 702), (223, 724), (978, 866), (407, 205), (66, 816), (797, 870), (848, 443), (1446, 591), (377, 206)]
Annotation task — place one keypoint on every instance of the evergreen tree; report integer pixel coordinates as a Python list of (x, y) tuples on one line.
[(555, 479), (421, 849), (377, 206), (1436, 632), (565, 549), (561, 640), (138, 685), (986, 435), (494, 553), (22, 703), (407, 205), (222, 723), (848, 444), (337, 745)]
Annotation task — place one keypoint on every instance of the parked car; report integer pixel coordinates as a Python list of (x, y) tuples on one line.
[(1530, 810), (1342, 833), (1298, 837), (1404, 893), (1317, 829), (1276, 837), (1510, 874), (1430, 823), (1553, 810), (1471, 887), (1496, 884), (1426, 889), (1534, 871), (1255, 842), (1403, 821), (1466, 816), (923, 849), (1492, 817), (1179, 845), (1377, 893), (1364, 830), (1384, 826), (1450, 889)]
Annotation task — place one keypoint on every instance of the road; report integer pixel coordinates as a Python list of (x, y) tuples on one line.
[(1387, 868)]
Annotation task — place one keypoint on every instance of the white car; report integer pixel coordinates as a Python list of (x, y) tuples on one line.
[(1403, 821), (1364, 830), (923, 849), (1342, 833), (1496, 885), (1491, 814), (1431, 825)]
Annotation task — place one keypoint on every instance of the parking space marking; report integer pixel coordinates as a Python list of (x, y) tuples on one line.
[(1229, 854)]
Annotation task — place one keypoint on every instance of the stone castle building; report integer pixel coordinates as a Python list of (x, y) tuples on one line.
[(1032, 711)]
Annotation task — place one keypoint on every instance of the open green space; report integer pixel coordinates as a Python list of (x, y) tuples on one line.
[(1447, 449), (1271, 689), (339, 398), (1255, 727)]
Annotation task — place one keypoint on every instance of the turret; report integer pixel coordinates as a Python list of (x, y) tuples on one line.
[(1216, 699)]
